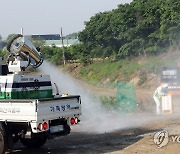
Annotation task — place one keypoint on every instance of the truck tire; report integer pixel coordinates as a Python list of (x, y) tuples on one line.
[(5, 140), (34, 142), (3, 144)]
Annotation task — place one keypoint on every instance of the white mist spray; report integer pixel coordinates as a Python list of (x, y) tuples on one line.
[(94, 118)]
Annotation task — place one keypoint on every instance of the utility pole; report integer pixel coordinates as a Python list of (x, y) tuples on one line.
[(64, 59)]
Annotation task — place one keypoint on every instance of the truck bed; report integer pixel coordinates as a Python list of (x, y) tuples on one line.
[(33, 110)]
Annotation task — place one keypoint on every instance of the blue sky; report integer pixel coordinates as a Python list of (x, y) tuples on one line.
[(46, 17)]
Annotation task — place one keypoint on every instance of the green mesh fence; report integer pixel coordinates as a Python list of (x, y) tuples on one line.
[(126, 97)]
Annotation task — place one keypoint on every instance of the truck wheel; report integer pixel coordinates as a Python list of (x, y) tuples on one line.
[(4, 140), (34, 142)]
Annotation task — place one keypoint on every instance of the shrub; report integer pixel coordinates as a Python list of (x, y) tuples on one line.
[(142, 79)]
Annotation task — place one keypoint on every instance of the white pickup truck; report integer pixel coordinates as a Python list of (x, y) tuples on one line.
[(29, 110), (33, 121)]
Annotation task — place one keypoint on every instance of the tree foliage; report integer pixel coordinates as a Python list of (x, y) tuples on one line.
[(38, 42), (141, 27), (2, 43), (53, 54)]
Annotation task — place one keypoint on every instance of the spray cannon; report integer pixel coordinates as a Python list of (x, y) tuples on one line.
[(22, 54)]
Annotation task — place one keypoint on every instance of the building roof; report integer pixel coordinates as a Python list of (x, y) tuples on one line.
[(55, 39), (58, 43), (50, 36)]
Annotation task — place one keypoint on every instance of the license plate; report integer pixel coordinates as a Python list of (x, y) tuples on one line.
[(55, 129)]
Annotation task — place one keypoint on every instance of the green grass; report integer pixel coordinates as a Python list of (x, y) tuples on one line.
[(109, 72), (109, 102)]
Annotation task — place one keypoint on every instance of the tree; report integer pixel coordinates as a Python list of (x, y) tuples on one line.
[(134, 29), (8, 37), (2, 43), (170, 21), (97, 32), (53, 54), (38, 42)]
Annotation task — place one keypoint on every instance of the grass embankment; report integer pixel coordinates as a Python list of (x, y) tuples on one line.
[(107, 73)]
